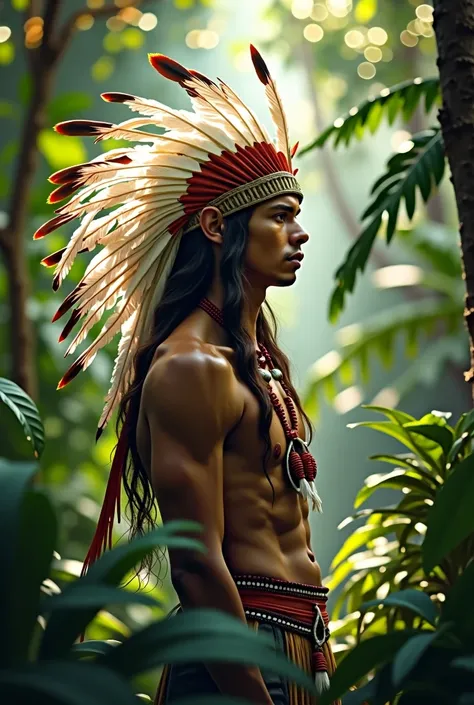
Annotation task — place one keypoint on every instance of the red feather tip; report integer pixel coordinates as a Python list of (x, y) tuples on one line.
[(81, 128), (294, 149), (72, 372), (117, 97), (260, 66), (53, 258), (64, 176), (75, 316), (51, 225), (62, 192), (169, 68)]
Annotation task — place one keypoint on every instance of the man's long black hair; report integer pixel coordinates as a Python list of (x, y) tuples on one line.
[(189, 281)]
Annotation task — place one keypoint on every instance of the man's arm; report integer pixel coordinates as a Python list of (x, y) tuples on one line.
[(190, 404)]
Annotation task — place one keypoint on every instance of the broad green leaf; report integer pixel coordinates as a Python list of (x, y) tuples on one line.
[(414, 600), (400, 417), (361, 537), (359, 662), (397, 479), (110, 569), (465, 424), (14, 482), (420, 168), (454, 500), (215, 636), (67, 105), (36, 537), (65, 683), (439, 434), (95, 596), (25, 411), (459, 607), (61, 151), (93, 648), (411, 652), (410, 463), (402, 97)]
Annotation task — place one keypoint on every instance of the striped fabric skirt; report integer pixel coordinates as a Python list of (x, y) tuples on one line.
[(287, 612)]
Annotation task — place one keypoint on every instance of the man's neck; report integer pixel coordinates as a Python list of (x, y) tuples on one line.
[(253, 303)]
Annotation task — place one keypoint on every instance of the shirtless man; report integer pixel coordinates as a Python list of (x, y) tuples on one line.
[(198, 438), (195, 227)]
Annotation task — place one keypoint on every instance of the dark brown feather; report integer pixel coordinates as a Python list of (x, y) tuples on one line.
[(169, 68), (260, 66), (72, 372), (64, 191), (75, 316), (53, 258), (117, 97), (51, 225), (81, 128)]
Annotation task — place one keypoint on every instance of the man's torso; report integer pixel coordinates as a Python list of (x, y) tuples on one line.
[(265, 533)]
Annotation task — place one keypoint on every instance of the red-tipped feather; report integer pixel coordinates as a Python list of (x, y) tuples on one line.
[(75, 316), (64, 191), (51, 225), (64, 176), (119, 160), (169, 68), (72, 372), (53, 258), (294, 149), (202, 77), (67, 304), (260, 66), (116, 97), (81, 128)]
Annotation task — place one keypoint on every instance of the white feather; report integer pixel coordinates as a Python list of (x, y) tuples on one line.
[(279, 119)]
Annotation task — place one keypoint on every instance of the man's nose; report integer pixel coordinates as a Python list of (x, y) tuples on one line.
[(299, 237)]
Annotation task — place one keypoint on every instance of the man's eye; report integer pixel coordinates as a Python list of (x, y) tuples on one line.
[(280, 217)]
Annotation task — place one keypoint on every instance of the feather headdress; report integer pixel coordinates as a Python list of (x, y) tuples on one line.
[(138, 202)]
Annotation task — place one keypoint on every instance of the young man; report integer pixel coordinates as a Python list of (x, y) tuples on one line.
[(197, 227)]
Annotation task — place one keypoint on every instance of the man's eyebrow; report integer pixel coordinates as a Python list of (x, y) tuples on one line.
[(284, 207)]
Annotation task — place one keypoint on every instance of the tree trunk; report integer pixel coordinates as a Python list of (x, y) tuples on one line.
[(454, 29)]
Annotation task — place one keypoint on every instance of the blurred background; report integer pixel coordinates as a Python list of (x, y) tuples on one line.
[(327, 56)]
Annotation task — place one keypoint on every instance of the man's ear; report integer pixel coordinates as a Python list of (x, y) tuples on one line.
[(212, 224)]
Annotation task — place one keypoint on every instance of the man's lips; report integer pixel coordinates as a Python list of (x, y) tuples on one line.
[(298, 257)]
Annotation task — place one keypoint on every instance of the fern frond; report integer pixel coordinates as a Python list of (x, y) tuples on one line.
[(420, 169), (402, 99)]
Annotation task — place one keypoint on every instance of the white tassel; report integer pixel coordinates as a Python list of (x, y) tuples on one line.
[(316, 499), (321, 681), (305, 488)]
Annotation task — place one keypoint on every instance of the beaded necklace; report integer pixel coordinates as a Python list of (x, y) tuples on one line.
[(299, 463)]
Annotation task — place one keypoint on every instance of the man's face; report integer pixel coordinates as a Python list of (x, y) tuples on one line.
[(274, 236)]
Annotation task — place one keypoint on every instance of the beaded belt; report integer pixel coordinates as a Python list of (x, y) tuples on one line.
[(295, 607)]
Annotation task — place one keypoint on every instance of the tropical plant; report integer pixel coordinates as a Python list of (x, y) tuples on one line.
[(425, 652), (41, 656), (406, 546), (432, 312)]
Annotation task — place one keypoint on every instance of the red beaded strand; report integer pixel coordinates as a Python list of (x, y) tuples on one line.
[(301, 465)]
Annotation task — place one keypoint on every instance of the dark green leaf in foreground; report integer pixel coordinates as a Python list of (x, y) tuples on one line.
[(25, 411)]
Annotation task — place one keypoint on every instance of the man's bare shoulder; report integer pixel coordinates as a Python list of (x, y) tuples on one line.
[(188, 376)]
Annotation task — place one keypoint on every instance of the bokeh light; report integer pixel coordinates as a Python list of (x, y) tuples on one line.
[(5, 34), (313, 32), (84, 22), (424, 13), (354, 39), (377, 36), (366, 70), (301, 9), (339, 8), (408, 39), (131, 15), (148, 21), (95, 4), (319, 12), (373, 54)]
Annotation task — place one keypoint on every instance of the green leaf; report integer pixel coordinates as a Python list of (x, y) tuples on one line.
[(36, 537), (67, 105), (110, 569), (397, 479), (439, 434), (25, 411), (14, 481), (366, 656), (465, 662), (214, 636), (66, 684), (93, 648), (459, 607), (411, 652), (61, 151), (362, 536), (420, 168), (454, 500), (400, 417), (414, 600), (95, 596), (404, 97)]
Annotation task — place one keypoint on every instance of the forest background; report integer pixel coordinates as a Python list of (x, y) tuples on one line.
[(327, 56)]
